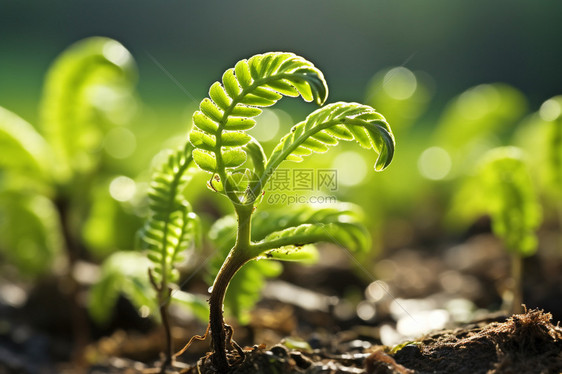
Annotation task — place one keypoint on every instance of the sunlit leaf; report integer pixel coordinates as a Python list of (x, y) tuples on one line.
[(338, 121), (172, 226), (259, 81)]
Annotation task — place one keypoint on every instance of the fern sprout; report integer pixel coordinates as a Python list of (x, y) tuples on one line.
[(510, 199), (239, 169), (222, 148), (169, 231)]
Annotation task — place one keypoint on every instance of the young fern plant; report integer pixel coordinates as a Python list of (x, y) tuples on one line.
[(170, 229), (49, 171), (551, 113), (508, 196), (222, 147)]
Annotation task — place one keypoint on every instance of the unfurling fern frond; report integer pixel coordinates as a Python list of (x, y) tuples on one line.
[(23, 148), (287, 244), (510, 199), (76, 92), (326, 126), (218, 134), (268, 221), (172, 225)]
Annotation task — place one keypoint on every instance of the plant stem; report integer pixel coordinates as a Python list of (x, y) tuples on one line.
[(164, 295), (168, 334), (79, 320), (237, 257), (517, 275), (216, 318)]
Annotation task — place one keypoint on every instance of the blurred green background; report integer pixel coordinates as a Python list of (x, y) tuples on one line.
[(459, 44)]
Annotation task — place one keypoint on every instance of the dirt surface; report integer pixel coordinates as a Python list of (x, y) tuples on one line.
[(525, 343), (346, 323), (522, 343)]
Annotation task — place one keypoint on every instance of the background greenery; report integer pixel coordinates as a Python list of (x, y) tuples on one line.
[(459, 44)]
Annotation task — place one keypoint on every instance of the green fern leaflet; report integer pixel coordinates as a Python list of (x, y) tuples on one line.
[(172, 224), (326, 126), (262, 80)]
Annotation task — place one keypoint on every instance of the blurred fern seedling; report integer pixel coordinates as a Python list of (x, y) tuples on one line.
[(503, 188), (49, 174)]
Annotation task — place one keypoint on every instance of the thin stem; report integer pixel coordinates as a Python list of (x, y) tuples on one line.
[(168, 333), (236, 259), (517, 275), (216, 318), (163, 302), (79, 322)]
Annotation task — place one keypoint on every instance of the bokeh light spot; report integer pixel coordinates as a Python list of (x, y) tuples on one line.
[(550, 110), (116, 53), (120, 142), (122, 188), (400, 83), (267, 126), (478, 101), (351, 168), (434, 163), (366, 311)]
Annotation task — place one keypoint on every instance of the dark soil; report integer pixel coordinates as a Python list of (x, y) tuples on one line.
[(321, 304), (523, 343)]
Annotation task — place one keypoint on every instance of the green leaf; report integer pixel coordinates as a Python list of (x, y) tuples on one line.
[(268, 221), (202, 140), (75, 114), (257, 154), (307, 254), (245, 111), (235, 139), (219, 96), (233, 157), (205, 160), (23, 149), (230, 83), (122, 273), (348, 235), (210, 110), (284, 87), (239, 123), (243, 74), (30, 232), (172, 226), (345, 121), (205, 123), (259, 81), (510, 199), (195, 304)]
